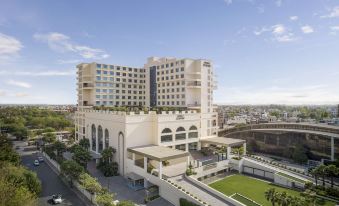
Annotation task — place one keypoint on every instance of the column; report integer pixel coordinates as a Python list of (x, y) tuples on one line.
[(160, 169), (96, 140), (145, 164), (332, 149), (188, 161), (228, 153), (244, 146)]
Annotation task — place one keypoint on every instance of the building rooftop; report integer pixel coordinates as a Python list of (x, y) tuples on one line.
[(228, 142), (159, 153)]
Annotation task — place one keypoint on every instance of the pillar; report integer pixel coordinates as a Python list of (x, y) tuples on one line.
[(145, 164), (228, 153), (188, 161), (332, 149), (244, 146), (160, 169)]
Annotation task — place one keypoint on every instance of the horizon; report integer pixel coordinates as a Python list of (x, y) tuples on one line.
[(263, 52)]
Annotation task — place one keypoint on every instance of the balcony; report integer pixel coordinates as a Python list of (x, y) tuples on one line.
[(194, 106), (193, 84), (88, 86)]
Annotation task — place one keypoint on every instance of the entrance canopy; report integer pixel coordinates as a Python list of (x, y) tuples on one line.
[(158, 153), (228, 142)]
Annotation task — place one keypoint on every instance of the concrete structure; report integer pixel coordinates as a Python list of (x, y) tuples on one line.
[(321, 138), (152, 143)]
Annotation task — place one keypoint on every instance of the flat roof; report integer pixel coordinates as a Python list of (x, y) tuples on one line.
[(223, 141), (328, 134), (159, 153)]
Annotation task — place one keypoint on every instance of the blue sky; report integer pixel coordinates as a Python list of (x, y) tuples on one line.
[(264, 51)]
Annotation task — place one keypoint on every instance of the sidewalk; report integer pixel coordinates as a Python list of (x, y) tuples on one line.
[(119, 186)]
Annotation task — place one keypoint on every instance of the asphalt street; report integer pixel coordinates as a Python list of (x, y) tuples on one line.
[(51, 182)]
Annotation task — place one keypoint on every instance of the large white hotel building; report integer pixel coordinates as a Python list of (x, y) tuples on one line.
[(151, 145)]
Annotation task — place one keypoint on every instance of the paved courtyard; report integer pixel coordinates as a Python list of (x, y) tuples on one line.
[(119, 186)]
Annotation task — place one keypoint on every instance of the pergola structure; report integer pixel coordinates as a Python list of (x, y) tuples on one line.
[(226, 142), (156, 153)]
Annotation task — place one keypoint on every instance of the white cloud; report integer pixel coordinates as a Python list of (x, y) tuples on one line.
[(2, 93), (228, 2), (62, 43), (41, 73), (9, 46), (261, 31), (307, 29), (278, 3), (20, 94), (294, 18), (333, 14), (315, 94), (70, 61), (288, 37), (278, 29), (19, 84)]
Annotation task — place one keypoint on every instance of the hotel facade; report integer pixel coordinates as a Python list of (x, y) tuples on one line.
[(175, 116)]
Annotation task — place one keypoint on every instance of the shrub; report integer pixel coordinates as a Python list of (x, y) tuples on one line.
[(184, 202)]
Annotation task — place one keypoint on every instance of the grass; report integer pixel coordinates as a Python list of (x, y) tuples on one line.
[(252, 188), (243, 200), (291, 177)]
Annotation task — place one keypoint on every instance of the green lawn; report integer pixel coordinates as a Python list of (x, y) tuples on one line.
[(243, 200), (251, 188), (291, 177)]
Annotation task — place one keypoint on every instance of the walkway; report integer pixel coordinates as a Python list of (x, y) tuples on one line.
[(119, 186), (201, 193)]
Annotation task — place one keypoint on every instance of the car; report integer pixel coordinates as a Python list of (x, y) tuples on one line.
[(56, 199), (36, 162), (41, 159)]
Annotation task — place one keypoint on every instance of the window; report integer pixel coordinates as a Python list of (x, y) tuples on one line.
[(106, 138), (100, 139), (166, 135), (180, 134), (193, 132), (94, 134)]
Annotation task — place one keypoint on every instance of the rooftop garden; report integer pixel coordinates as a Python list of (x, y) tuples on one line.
[(138, 109)]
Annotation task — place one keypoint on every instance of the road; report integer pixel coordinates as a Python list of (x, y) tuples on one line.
[(51, 182)]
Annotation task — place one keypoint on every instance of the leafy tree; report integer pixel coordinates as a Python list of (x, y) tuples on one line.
[(7, 153), (104, 198), (299, 154), (321, 169), (107, 154), (106, 164), (310, 197), (71, 169), (11, 195), (315, 173), (81, 155), (60, 147), (49, 137), (89, 183), (84, 143)]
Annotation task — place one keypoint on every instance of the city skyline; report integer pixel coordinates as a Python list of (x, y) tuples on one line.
[(263, 52)]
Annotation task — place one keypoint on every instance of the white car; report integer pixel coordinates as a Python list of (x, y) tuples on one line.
[(41, 159), (56, 199), (36, 162)]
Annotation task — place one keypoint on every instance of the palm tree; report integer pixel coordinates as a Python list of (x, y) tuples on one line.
[(332, 171), (271, 195), (322, 172), (310, 197), (315, 172)]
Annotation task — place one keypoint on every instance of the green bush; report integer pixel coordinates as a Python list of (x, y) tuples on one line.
[(108, 169), (184, 202)]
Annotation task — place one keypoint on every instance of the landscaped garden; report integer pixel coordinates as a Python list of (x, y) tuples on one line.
[(253, 189)]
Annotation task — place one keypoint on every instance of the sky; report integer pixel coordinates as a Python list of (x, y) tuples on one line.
[(263, 51)]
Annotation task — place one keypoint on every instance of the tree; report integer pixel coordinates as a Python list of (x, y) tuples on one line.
[(310, 197), (89, 183), (49, 137), (271, 195), (315, 173), (7, 154), (299, 154), (60, 148), (107, 154), (81, 156), (71, 169), (332, 171), (321, 169), (239, 151), (283, 199), (84, 143), (104, 198)]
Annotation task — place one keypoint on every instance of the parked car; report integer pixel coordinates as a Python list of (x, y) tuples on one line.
[(56, 199), (41, 159), (36, 162)]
